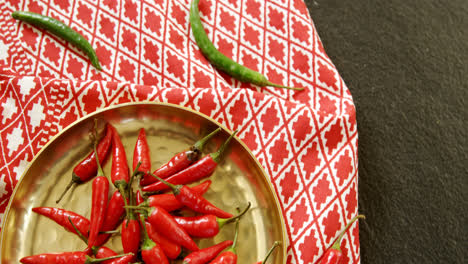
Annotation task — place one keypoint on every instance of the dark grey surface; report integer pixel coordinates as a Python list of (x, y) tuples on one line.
[(406, 64)]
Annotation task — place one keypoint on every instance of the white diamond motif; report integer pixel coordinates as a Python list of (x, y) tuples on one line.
[(9, 108), (26, 84), (19, 170), (36, 114), (15, 139)]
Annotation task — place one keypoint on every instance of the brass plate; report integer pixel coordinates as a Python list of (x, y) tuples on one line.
[(170, 129)]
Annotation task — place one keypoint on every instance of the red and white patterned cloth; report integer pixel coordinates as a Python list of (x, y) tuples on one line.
[(306, 141)]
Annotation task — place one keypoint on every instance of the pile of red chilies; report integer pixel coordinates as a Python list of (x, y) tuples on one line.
[(149, 232)]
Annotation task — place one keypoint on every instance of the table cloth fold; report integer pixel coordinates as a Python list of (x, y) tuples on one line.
[(305, 140)]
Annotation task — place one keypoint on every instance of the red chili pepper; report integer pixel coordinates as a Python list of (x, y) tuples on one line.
[(165, 225), (205, 226), (334, 254), (204, 255), (229, 256), (170, 249), (170, 203), (114, 213), (139, 198), (199, 170), (180, 161), (131, 228), (119, 171), (141, 153), (65, 257), (151, 252), (76, 257), (87, 168), (104, 252), (275, 245), (100, 191), (60, 216), (177, 163), (130, 235), (186, 196)]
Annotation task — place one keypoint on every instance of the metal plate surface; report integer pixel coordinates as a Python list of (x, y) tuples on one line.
[(239, 178)]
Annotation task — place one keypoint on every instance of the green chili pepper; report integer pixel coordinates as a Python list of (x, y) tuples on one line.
[(60, 30), (219, 60)]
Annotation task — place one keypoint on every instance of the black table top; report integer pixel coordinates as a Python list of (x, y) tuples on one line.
[(406, 64)]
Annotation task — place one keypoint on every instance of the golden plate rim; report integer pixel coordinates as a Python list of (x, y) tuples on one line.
[(71, 125)]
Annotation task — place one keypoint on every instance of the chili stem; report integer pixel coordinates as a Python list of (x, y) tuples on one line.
[(91, 260), (78, 231), (282, 86), (70, 184), (275, 245), (136, 207), (145, 231), (93, 248), (134, 173), (233, 247), (175, 188), (218, 154), (129, 186), (123, 193), (199, 145), (337, 243), (222, 222)]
